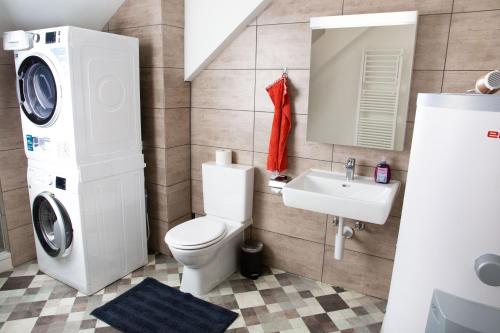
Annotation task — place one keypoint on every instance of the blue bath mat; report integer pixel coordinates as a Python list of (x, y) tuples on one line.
[(152, 306)]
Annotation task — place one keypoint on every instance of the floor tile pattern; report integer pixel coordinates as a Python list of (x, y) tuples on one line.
[(31, 301)]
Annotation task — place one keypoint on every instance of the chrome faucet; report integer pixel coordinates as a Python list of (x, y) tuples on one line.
[(349, 168)]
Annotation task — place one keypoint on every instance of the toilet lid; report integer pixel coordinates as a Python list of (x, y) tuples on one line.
[(195, 234)]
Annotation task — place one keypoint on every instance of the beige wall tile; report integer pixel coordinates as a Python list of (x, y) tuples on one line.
[(222, 128), (298, 81), (164, 88), (291, 254), (153, 127), (476, 5), (377, 240), (423, 6), (291, 11), (223, 89), (474, 41), (285, 45), (13, 166), (10, 129), (156, 165), (8, 97), (6, 57), (432, 38), (167, 166), (17, 208), (173, 47), (296, 166), (177, 92), (178, 164), (136, 14), (22, 244), (269, 213), (202, 154), (177, 127), (157, 202), (423, 82), (173, 12), (179, 200), (239, 54), (298, 146), (152, 88), (197, 197), (158, 230), (155, 231), (460, 81), (150, 44), (360, 272)]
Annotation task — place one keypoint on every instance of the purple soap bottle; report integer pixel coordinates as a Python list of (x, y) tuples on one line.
[(382, 172)]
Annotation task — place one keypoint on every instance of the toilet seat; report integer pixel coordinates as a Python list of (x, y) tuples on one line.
[(196, 234)]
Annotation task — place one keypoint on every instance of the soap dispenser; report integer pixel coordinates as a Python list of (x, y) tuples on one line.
[(382, 172)]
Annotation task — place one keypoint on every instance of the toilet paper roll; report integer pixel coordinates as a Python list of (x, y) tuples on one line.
[(223, 157)]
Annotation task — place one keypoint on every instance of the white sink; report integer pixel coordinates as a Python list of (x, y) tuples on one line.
[(328, 192)]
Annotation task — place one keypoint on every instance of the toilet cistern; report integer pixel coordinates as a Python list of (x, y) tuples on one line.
[(349, 168)]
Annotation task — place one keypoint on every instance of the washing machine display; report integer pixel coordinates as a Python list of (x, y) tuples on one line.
[(52, 225), (37, 90)]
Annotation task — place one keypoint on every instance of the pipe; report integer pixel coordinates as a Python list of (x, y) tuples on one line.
[(339, 240)]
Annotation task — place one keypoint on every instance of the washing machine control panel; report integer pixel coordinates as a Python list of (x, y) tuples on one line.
[(51, 37), (61, 183)]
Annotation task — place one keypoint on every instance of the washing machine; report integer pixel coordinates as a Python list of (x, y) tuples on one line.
[(78, 93), (89, 223)]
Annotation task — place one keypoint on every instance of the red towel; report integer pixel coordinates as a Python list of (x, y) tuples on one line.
[(282, 124)]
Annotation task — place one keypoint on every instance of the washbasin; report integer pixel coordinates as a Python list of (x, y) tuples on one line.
[(328, 192)]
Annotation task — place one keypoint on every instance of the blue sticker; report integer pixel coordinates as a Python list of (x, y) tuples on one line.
[(29, 142)]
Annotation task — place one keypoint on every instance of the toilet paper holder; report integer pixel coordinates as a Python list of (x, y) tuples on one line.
[(278, 182)]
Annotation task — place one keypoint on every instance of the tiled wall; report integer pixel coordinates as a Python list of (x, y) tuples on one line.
[(165, 101), (457, 41), (14, 200)]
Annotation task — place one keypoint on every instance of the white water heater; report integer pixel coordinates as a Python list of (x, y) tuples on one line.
[(446, 274)]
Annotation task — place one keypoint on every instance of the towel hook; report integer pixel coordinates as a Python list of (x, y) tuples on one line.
[(285, 71)]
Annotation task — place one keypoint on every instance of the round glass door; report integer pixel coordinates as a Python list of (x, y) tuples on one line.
[(52, 225), (37, 90)]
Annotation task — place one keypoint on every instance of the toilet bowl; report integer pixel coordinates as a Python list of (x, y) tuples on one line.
[(208, 246)]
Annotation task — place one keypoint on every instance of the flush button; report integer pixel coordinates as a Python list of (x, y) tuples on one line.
[(487, 269)]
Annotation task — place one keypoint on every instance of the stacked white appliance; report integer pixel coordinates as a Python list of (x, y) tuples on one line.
[(78, 93), (446, 274)]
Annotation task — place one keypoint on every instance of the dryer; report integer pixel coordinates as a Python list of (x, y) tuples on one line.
[(78, 93), (89, 224)]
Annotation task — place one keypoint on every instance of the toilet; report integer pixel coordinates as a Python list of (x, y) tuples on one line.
[(208, 246)]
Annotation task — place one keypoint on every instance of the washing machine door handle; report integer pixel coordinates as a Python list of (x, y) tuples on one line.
[(59, 226)]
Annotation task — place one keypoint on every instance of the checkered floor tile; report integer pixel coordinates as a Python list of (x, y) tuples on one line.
[(31, 301)]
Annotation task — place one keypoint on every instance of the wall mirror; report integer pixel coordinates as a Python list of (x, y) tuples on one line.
[(360, 79)]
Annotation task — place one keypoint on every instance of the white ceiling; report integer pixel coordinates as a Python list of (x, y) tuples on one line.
[(37, 14)]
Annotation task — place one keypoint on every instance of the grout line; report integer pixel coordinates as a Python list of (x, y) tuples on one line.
[(254, 92), (219, 109), (294, 156), (447, 45), (143, 26), (14, 189), (474, 11), (310, 241), (257, 69), (159, 67)]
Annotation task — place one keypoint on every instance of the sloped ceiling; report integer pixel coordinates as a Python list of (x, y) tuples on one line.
[(212, 24), (37, 14)]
